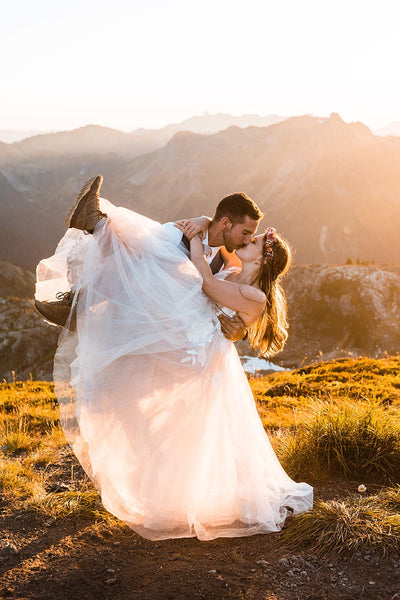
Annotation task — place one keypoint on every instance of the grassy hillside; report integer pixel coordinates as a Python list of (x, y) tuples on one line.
[(335, 421), (287, 399)]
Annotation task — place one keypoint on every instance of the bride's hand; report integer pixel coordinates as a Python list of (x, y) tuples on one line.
[(196, 240), (192, 227)]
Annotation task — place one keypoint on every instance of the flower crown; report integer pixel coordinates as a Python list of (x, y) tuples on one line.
[(270, 238)]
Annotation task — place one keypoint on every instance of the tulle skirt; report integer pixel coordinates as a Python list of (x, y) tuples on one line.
[(153, 398)]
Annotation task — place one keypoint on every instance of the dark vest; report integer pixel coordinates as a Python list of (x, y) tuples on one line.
[(217, 261)]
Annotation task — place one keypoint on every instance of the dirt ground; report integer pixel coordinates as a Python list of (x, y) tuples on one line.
[(80, 560)]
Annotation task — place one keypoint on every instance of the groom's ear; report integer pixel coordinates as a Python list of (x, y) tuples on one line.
[(226, 223)]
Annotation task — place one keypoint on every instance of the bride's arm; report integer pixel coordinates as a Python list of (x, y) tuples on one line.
[(245, 299)]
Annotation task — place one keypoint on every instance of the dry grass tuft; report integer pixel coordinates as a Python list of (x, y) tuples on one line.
[(390, 499), (84, 502), (342, 528), (357, 442)]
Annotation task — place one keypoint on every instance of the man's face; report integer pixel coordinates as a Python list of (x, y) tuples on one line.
[(239, 235)]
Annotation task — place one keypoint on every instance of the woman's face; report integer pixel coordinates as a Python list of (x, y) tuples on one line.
[(253, 252)]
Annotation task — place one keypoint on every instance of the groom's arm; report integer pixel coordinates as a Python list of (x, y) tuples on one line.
[(174, 235), (173, 230), (233, 328)]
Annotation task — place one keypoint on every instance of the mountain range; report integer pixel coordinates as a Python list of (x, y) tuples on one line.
[(206, 123), (331, 187), (132, 143)]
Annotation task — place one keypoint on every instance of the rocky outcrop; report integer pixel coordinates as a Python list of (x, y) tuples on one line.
[(337, 311), (342, 311), (16, 281), (27, 343)]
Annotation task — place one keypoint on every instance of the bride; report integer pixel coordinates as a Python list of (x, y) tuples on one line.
[(153, 398)]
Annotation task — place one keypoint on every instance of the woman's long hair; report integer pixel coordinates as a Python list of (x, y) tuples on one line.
[(269, 333)]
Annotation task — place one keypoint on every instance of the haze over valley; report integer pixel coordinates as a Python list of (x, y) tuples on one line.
[(333, 188)]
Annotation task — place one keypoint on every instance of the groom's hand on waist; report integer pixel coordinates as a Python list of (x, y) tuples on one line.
[(233, 328)]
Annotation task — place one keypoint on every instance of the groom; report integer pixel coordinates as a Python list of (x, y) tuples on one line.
[(233, 226)]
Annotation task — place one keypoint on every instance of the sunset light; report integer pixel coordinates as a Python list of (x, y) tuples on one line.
[(130, 64), (200, 300)]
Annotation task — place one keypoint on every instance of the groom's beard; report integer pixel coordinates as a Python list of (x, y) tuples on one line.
[(228, 242)]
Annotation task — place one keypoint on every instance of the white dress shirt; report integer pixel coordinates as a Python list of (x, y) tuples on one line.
[(176, 235)]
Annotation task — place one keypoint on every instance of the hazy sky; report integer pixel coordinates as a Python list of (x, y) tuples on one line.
[(129, 64)]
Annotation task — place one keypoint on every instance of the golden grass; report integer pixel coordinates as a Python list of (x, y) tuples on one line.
[(288, 399), (341, 416), (390, 499), (34, 453), (18, 480), (331, 420)]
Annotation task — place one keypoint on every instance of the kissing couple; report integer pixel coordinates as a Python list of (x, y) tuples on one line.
[(153, 398)]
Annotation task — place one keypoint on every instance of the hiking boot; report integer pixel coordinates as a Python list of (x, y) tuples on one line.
[(57, 312), (85, 212)]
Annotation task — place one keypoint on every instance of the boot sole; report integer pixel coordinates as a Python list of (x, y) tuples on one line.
[(72, 324), (39, 312), (80, 200)]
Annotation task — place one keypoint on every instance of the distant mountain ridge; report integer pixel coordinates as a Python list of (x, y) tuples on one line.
[(99, 139), (212, 123), (333, 188), (205, 123)]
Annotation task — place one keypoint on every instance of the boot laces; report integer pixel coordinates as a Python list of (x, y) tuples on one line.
[(66, 296)]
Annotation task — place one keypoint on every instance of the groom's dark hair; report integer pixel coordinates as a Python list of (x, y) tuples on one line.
[(237, 207)]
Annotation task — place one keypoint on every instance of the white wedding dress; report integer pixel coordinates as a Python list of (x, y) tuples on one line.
[(153, 398)]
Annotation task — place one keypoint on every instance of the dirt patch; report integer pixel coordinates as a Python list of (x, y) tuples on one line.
[(42, 559)]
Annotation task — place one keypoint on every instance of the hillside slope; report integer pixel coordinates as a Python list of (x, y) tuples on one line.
[(333, 188)]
